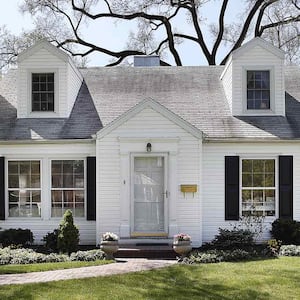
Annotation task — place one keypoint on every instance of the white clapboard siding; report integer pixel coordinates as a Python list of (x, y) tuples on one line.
[(113, 180), (45, 152), (67, 82), (214, 179)]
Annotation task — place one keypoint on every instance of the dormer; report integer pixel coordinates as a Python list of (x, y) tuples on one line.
[(253, 80), (48, 82)]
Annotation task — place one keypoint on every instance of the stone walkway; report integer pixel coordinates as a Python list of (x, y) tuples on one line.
[(122, 266)]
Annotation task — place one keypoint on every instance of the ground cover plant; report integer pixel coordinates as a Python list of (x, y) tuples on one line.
[(10, 255), (274, 279)]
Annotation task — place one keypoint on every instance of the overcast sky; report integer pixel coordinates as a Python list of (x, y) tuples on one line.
[(111, 34)]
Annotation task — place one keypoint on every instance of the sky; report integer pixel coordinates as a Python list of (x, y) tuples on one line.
[(114, 34)]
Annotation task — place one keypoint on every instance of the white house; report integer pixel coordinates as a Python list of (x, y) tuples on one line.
[(148, 152)]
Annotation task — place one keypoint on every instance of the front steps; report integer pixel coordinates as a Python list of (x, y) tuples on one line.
[(146, 250)]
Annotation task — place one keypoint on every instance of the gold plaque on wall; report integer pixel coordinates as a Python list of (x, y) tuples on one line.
[(189, 188)]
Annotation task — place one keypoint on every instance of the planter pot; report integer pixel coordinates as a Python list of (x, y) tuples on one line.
[(109, 248), (182, 247)]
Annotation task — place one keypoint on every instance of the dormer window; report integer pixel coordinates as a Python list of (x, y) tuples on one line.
[(258, 89), (43, 92)]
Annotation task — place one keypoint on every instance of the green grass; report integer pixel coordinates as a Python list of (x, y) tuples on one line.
[(266, 279), (14, 269)]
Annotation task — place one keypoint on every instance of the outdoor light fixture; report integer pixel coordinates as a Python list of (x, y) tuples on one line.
[(149, 147)]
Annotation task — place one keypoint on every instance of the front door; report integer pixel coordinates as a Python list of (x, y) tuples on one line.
[(149, 195)]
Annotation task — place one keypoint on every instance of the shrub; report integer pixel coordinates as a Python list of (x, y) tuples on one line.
[(9, 255), (288, 231), (217, 255), (273, 247), (68, 234), (289, 250), (17, 237), (232, 238), (50, 240)]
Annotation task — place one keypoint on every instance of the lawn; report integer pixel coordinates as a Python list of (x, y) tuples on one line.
[(265, 279), (14, 269)]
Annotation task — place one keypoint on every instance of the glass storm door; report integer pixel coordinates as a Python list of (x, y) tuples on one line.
[(148, 190)]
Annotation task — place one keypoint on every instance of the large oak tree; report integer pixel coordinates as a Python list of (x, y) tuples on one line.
[(158, 27)]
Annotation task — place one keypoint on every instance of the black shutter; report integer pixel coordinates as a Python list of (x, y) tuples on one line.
[(286, 187), (91, 188), (232, 187), (2, 189)]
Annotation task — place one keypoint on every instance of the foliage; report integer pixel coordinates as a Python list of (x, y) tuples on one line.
[(68, 234), (288, 231), (289, 250), (22, 237), (50, 240), (274, 279), (232, 238), (181, 237), (90, 255), (217, 255), (274, 247), (252, 222), (156, 29), (28, 256), (109, 236)]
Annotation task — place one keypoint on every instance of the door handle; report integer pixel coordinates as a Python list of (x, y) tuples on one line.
[(166, 194)]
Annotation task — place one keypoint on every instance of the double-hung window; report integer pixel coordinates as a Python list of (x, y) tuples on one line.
[(67, 187), (24, 189), (258, 89), (258, 187), (42, 92)]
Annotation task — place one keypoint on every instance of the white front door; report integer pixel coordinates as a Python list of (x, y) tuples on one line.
[(148, 195)]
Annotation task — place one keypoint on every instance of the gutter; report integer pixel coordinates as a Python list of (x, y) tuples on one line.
[(60, 141), (249, 140)]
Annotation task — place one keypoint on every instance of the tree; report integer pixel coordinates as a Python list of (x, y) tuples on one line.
[(156, 22), (68, 234)]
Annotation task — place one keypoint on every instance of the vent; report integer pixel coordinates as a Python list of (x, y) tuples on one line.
[(146, 61)]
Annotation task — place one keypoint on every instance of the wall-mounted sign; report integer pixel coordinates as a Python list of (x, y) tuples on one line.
[(188, 188)]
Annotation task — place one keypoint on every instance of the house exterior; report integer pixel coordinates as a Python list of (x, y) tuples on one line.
[(148, 152)]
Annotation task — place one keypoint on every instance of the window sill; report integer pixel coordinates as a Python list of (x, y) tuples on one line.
[(43, 114)]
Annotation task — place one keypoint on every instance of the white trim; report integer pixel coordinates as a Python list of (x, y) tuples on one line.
[(43, 114), (165, 188), (7, 160), (150, 103), (70, 158), (264, 156), (258, 112), (43, 44), (257, 41)]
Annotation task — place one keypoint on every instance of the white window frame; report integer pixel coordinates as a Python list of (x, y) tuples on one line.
[(73, 189), (276, 189), (269, 111), (43, 114), (7, 189)]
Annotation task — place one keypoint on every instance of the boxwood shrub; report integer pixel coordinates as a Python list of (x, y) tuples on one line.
[(17, 237), (287, 231)]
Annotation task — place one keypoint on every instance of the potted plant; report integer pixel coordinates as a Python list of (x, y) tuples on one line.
[(182, 244), (109, 244)]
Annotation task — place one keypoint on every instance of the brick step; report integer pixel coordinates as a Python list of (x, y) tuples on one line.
[(146, 251)]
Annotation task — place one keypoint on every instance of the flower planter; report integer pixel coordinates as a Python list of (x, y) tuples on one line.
[(182, 247), (109, 248)]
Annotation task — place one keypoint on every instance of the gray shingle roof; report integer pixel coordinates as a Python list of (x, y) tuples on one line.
[(194, 93)]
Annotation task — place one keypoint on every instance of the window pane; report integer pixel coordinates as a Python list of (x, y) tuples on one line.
[(13, 181), (247, 180), (13, 196), (269, 180), (258, 166), (247, 165), (68, 176), (258, 180), (13, 210)]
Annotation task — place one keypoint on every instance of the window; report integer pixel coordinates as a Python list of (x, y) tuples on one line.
[(24, 188), (258, 89), (43, 92), (258, 187), (67, 187)]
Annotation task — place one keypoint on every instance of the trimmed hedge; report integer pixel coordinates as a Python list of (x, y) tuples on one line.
[(287, 231), (28, 256), (17, 237)]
